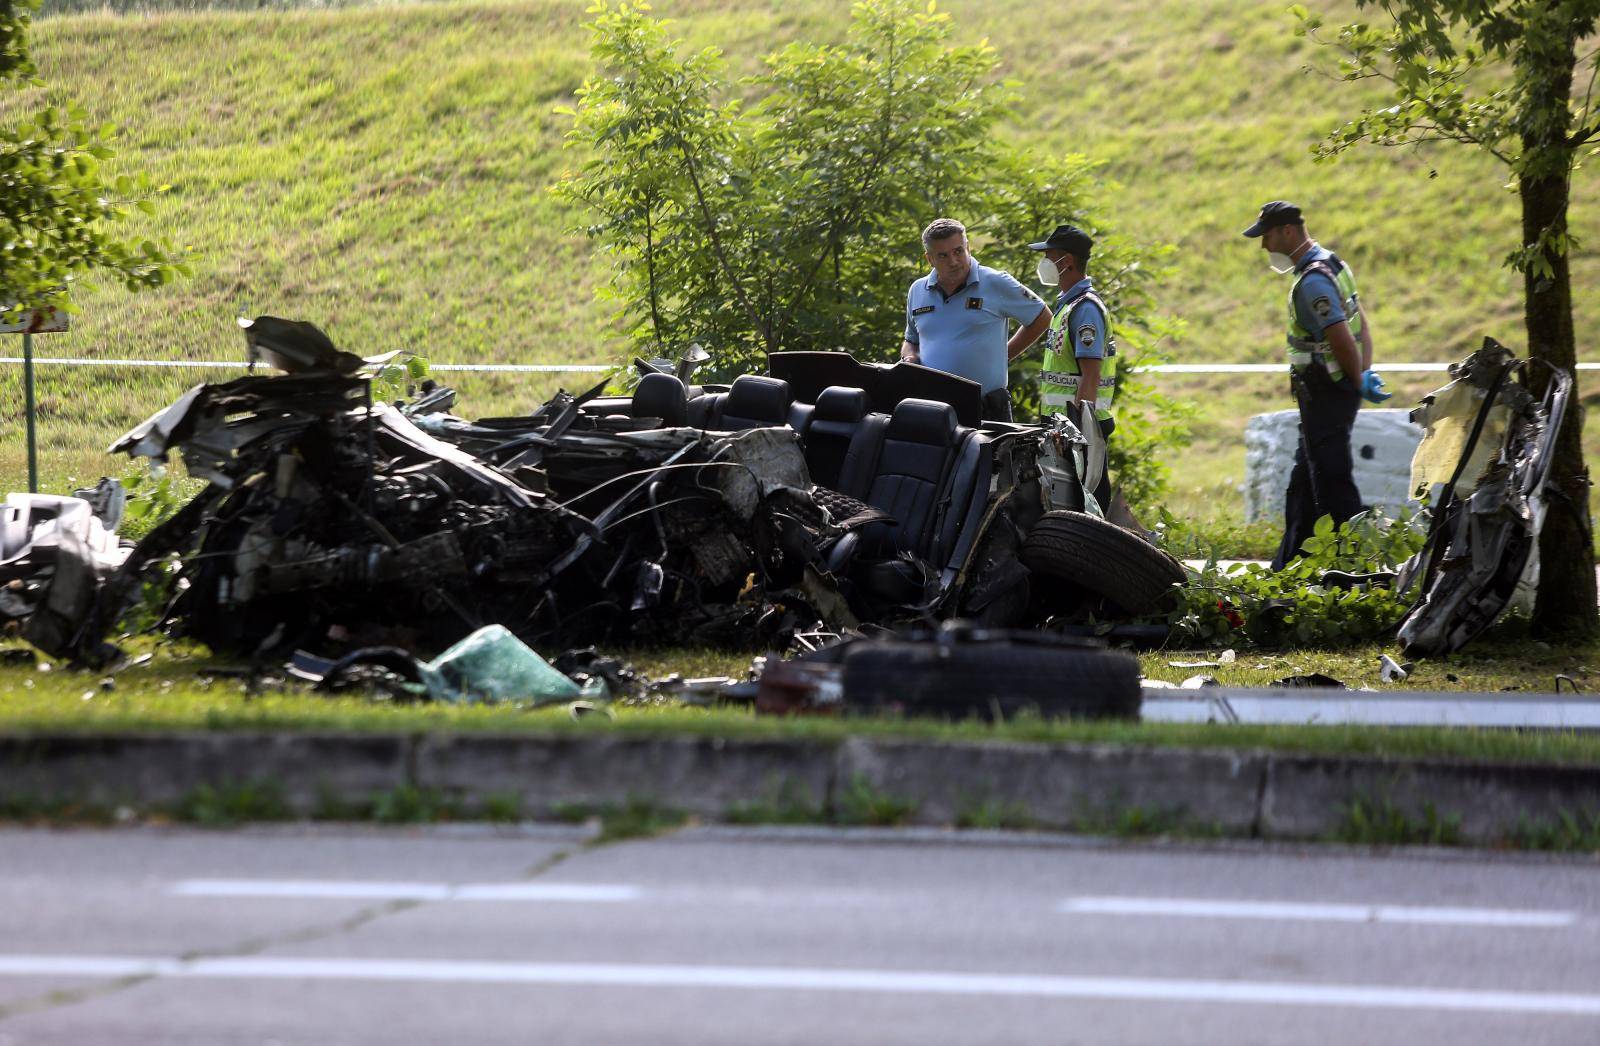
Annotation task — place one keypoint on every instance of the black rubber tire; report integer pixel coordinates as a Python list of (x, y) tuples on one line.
[(990, 679), (1102, 558)]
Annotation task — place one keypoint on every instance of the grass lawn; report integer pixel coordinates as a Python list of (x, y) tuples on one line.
[(382, 170), (181, 689)]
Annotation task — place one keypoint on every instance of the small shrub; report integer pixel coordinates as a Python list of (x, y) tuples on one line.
[(1251, 604)]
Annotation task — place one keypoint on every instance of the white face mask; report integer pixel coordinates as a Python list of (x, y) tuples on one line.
[(1049, 275), (1281, 263)]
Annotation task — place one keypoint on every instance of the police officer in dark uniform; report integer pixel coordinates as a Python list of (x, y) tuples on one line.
[(1330, 356)]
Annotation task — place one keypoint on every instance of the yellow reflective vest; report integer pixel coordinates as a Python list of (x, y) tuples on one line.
[(1061, 370)]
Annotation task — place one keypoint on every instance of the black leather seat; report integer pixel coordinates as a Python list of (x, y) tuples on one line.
[(911, 476), (834, 423), (661, 396), (753, 402)]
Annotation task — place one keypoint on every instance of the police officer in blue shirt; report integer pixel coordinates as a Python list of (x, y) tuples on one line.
[(1330, 360), (957, 317)]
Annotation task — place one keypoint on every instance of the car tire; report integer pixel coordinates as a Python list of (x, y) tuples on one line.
[(1102, 558), (991, 680)]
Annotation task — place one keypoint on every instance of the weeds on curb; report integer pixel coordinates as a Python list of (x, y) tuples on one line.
[(989, 813), (332, 805), (1570, 832), (859, 803), (409, 804), (501, 808), (635, 819), (32, 809), (785, 803), (1379, 822), (231, 804), (1144, 822)]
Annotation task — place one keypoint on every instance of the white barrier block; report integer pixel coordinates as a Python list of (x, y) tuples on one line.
[(1381, 445)]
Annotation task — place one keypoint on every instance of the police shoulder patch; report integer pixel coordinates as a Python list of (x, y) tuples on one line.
[(922, 310), (1086, 335), (1322, 306)]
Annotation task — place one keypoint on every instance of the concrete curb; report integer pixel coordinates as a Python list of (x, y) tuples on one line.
[(1098, 788)]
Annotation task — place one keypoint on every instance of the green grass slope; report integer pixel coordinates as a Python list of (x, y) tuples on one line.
[(383, 170)]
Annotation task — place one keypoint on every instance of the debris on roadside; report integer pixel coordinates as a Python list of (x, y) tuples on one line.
[(1486, 459), (959, 671), (55, 552), (774, 512), (1391, 671), (1311, 680)]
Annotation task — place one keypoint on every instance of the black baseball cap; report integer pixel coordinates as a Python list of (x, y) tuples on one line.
[(1274, 214), (1068, 238)]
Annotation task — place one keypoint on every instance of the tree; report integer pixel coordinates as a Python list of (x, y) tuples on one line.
[(784, 212), (1498, 75), (57, 199)]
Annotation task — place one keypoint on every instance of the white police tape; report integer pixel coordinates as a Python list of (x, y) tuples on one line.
[(600, 368), (513, 368), (1279, 368)]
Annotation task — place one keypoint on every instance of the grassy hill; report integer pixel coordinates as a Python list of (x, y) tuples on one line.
[(382, 171)]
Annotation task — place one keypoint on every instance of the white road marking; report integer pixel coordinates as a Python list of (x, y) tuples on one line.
[(1342, 913), (347, 889), (758, 978)]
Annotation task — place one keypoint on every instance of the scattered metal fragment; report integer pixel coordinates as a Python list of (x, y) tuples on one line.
[(1312, 680), (1391, 671)]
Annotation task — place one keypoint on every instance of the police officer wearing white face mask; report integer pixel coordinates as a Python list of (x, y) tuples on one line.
[(1330, 360), (1079, 354)]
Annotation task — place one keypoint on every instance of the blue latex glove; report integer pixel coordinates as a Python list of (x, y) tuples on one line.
[(1372, 389)]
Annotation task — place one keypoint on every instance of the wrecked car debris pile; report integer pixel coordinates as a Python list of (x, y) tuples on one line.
[(406, 549), (826, 496)]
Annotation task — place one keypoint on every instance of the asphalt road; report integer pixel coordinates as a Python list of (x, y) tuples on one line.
[(477, 936)]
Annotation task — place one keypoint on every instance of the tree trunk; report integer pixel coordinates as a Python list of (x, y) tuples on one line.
[(1566, 597), (1565, 604)]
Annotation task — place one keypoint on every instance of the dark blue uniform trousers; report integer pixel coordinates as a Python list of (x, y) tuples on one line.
[(1321, 483)]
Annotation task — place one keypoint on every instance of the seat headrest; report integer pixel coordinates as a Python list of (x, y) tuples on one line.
[(923, 421), (753, 396), (661, 396), (838, 403)]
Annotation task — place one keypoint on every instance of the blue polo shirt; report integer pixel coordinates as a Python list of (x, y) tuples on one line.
[(965, 333)]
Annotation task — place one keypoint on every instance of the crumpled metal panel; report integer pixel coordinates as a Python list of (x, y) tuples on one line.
[(1482, 555)]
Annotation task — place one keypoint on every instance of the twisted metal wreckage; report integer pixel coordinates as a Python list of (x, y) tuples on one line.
[(822, 496), (827, 494)]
